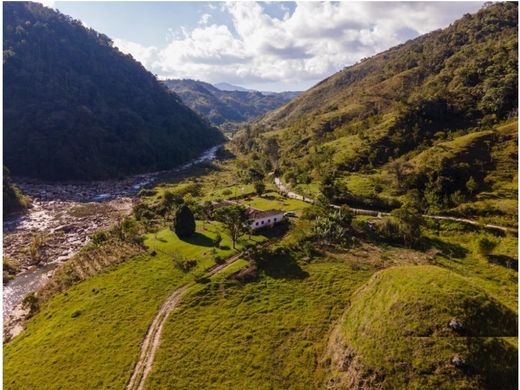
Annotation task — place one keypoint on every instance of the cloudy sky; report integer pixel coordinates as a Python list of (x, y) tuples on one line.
[(267, 45)]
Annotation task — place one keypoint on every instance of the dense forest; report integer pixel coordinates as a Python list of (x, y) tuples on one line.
[(76, 108), (433, 119), (226, 107)]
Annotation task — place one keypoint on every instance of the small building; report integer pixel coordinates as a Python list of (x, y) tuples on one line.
[(264, 218)]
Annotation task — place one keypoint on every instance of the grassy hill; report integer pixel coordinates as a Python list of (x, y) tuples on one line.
[(397, 334), (422, 95), (98, 112), (226, 107)]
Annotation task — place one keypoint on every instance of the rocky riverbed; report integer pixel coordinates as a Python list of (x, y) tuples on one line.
[(61, 219)]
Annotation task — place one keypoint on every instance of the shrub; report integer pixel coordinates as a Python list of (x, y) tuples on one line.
[(219, 259), (31, 302), (99, 237), (486, 246)]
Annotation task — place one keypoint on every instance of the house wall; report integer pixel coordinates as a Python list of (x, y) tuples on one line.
[(267, 221)]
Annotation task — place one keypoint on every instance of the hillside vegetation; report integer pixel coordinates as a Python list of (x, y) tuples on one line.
[(75, 107), (13, 199), (454, 88), (226, 107)]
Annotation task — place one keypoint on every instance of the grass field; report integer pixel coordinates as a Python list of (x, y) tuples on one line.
[(265, 334), (89, 337), (272, 200)]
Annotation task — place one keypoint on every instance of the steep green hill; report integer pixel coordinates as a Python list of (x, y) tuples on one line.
[(75, 107), (424, 327), (435, 89), (223, 107)]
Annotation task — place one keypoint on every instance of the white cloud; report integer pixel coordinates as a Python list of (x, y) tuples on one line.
[(204, 19), (316, 40)]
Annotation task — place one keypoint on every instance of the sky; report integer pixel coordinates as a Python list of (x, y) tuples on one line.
[(269, 46)]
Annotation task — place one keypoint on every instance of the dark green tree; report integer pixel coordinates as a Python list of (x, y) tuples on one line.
[(259, 187), (184, 223)]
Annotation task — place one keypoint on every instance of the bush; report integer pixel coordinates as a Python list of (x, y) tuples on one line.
[(219, 259), (99, 237), (31, 302), (486, 246)]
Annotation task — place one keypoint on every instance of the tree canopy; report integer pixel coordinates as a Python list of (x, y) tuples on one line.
[(75, 107)]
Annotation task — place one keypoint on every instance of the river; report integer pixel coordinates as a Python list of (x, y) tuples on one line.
[(60, 222)]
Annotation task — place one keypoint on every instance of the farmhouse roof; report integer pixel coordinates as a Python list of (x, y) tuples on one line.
[(256, 214)]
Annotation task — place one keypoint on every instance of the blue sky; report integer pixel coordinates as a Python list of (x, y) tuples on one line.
[(268, 46)]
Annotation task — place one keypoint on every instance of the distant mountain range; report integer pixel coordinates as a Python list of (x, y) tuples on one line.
[(231, 87), (76, 108), (225, 104)]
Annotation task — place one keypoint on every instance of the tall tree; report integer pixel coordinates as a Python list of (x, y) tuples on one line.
[(184, 224), (235, 220)]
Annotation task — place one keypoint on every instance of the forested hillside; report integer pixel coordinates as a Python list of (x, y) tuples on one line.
[(226, 107), (370, 127), (75, 107)]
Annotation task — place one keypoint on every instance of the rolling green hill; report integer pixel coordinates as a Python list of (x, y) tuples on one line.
[(439, 88), (226, 107), (407, 326), (75, 107)]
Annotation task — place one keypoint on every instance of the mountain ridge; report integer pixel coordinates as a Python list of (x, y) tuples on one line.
[(226, 107), (100, 113)]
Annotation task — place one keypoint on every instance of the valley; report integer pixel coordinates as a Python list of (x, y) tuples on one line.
[(60, 221), (360, 235)]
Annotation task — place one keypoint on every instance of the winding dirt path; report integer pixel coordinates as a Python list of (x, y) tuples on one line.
[(283, 188), (152, 338)]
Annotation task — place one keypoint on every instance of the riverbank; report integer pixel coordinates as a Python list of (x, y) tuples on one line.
[(62, 218)]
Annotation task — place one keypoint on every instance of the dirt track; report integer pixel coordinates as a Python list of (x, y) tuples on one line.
[(152, 338)]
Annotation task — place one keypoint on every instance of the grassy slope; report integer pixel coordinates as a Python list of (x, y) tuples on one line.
[(265, 334), (97, 348), (398, 327), (233, 336)]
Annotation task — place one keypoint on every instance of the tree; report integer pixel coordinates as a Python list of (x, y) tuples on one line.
[(334, 227), (272, 150), (333, 190), (206, 212), (235, 220), (399, 169), (184, 223), (217, 240), (408, 222), (259, 187)]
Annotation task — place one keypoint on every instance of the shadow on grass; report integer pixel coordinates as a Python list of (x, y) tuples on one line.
[(494, 360), (447, 249), (276, 231), (504, 261), (198, 239), (279, 265)]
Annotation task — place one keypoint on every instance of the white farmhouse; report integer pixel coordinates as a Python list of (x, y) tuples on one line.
[(264, 218)]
